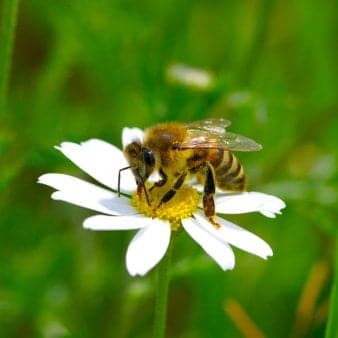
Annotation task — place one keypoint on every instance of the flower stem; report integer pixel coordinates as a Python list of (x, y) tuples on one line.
[(162, 294), (7, 32)]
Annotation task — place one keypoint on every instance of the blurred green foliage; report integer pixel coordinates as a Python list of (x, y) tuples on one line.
[(85, 69)]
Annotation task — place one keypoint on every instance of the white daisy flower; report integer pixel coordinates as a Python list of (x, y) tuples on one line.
[(102, 161)]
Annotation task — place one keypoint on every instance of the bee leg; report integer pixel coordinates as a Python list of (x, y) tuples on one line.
[(140, 189), (170, 193), (162, 181), (208, 195)]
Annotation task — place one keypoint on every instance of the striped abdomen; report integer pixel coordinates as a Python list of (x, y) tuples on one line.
[(229, 173)]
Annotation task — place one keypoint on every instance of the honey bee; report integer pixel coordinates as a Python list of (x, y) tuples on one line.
[(177, 151)]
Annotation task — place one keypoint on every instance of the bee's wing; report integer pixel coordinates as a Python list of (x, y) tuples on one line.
[(201, 139), (207, 139), (205, 133), (209, 125), (237, 142)]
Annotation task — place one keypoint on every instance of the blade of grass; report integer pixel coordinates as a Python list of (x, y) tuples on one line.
[(7, 33), (308, 300), (242, 320), (332, 324)]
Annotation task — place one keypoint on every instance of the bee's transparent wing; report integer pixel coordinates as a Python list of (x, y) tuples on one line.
[(211, 133), (210, 125), (237, 142)]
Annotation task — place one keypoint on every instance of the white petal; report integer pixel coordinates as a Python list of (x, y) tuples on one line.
[(148, 247), (268, 214), (154, 177), (103, 222), (102, 161), (235, 235), (238, 203), (220, 251), (130, 135), (87, 195)]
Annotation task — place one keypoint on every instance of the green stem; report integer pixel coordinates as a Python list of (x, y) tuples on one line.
[(7, 33), (162, 295), (332, 325)]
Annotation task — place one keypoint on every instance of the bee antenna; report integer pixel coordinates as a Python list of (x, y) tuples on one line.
[(119, 180)]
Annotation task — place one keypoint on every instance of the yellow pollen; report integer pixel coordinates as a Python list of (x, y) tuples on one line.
[(182, 205)]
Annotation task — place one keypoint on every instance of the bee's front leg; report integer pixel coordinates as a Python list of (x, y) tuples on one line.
[(208, 195), (140, 189), (171, 192), (162, 181)]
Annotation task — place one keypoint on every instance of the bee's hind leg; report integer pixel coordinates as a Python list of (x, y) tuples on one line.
[(171, 192), (208, 195)]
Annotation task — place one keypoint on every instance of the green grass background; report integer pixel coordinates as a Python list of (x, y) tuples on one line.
[(86, 69)]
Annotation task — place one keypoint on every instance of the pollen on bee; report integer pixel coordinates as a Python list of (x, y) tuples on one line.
[(182, 205)]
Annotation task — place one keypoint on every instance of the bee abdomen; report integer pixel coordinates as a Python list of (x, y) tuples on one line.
[(230, 174)]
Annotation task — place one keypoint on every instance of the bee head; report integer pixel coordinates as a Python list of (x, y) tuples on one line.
[(141, 161)]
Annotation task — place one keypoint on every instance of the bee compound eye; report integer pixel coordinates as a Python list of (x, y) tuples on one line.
[(148, 156)]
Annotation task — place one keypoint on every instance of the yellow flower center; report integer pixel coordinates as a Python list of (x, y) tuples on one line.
[(182, 205)]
